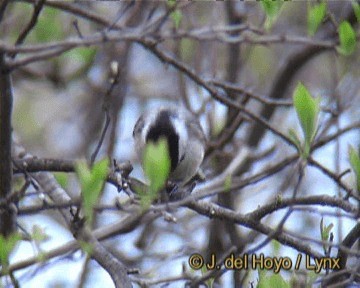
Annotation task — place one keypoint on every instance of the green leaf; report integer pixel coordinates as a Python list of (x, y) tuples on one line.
[(276, 280), (271, 9), (325, 230), (7, 244), (325, 235), (81, 60), (262, 278), (347, 38), (62, 179), (156, 168), (316, 15), (276, 246), (295, 138), (307, 109), (311, 279), (41, 256), (356, 8), (227, 183), (49, 26), (176, 16), (91, 182), (354, 159), (84, 174), (86, 247), (84, 54), (210, 282), (171, 3), (38, 234), (273, 280)]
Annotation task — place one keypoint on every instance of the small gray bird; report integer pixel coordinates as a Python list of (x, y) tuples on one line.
[(184, 135)]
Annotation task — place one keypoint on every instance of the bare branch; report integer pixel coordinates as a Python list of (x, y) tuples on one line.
[(322, 200), (212, 210), (287, 73), (37, 165), (37, 9), (8, 214), (114, 81), (3, 8), (116, 269), (113, 266), (335, 178), (123, 226), (260, 98)]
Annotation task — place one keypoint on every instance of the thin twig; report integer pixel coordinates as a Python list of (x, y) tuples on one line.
[(37, 9), (322, 200), (260, 98), (102, 137), (3, 8), (115, 74), (335, 178), (281, 224), (77, 28), (165, 57), (215, 211)]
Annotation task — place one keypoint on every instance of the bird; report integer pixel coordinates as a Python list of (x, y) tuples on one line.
[(184, 135)]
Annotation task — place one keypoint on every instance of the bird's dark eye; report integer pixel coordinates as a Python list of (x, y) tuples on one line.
[(163, 128)]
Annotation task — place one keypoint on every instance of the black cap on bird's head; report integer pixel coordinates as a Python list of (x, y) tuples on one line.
[(163, 128), (183, 134)]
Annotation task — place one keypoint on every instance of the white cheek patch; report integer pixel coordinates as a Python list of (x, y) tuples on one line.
[(181, 130), (149, 120)]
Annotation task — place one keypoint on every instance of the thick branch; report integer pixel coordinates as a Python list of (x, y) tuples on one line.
[(32, 164), (7, 215), (113, 266), (322, 200), (40, 165), (335, 278), (214, 211), (348, 242), (50, 186)]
